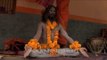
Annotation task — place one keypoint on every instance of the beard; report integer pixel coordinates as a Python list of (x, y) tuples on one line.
[(52, 18)]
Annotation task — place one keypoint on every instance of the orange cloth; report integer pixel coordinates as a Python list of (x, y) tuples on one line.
[(44, 3), (63, 15)]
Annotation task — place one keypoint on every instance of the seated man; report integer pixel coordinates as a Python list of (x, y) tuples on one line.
[(49, 28)]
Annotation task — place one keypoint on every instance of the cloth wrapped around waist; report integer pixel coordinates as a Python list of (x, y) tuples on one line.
[(60, 52)]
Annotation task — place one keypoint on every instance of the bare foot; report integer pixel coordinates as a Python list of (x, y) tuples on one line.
[(83, 52), (27, 51)]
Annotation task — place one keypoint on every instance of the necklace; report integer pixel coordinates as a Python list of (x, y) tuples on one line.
[(52, 43), (51, 25)]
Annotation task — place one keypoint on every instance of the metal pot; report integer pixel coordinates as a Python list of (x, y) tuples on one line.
[(96, 45)]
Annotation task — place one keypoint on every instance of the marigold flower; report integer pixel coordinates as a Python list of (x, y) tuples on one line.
[(75, 45), (33, 43)]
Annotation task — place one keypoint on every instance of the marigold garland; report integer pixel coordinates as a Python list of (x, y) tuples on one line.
[(53, 44), (53, 52), (34, 44), (44, 46), (51, 25), (75, 45)]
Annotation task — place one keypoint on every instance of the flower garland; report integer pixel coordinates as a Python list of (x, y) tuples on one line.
[(34, 44), (75, 45), (53, 45), (49, 27)]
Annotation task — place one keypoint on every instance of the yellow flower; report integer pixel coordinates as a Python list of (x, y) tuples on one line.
[(75, 45), (33, 43), (53, 52), (44, 46), (51, 45), (51, 25)]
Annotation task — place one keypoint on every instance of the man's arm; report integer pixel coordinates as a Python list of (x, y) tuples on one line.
[(64, 33), (39, 31)]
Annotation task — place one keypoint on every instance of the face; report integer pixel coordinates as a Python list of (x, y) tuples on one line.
[(52, 12), (49, 14)]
